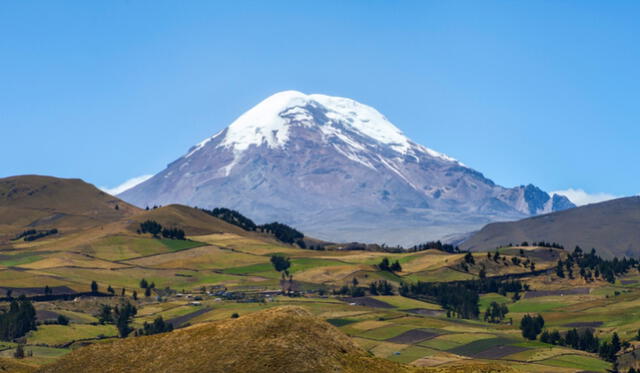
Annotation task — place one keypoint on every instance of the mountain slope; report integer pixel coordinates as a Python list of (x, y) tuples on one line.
[(337, 169), (42, 202), (613, 227)]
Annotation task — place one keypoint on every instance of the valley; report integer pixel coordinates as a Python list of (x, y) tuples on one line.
[(221, 273)]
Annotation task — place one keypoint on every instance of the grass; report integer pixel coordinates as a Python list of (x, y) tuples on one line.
[(340, 322), (535, 305), (178, 245), (486, 299), (480, 345), (412, 353), (56, 335), (578, 362), (406, 303)]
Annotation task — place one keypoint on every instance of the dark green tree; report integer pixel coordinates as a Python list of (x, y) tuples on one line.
[(280, 263)]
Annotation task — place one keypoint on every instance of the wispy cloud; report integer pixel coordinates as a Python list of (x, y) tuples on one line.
[(580, 197), (126, 185)]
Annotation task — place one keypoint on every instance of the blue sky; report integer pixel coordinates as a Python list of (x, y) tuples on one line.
[(542, 92)]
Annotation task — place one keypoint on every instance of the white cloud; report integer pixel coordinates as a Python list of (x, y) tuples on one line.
[(126, 185), (580, 197)]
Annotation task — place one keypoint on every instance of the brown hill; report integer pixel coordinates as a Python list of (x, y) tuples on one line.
[(283, 339), (44, 202), (612, 227), (192, 221)]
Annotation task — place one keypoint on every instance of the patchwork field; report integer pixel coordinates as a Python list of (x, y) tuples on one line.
[(198, 280)]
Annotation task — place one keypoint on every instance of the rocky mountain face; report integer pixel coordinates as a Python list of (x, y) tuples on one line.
[(339, 170)]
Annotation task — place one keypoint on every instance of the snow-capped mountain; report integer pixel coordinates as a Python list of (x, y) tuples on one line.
[(340, 170)]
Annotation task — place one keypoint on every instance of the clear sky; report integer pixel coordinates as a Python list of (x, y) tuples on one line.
[(542, 92)]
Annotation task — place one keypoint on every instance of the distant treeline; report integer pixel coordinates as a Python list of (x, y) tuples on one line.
[(155, 228), (32, 234), (592, 266), (232, 217), (282, 232), (435, 245), (460, 298), (542, 244)]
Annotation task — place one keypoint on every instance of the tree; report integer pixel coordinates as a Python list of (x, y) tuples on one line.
[(105, 315), (495, 313), (123, 316), (94, 287), (396, 267), (615, 343), (19, 354), (134, 295), (531, 326), (151, 226), (47, 290), (545, 337), (157, 326), (63, 320), (18, 320), (280, 263), (110, 290), (143, 284), (468, 258), (147, 292), (559, 270), (384, 264)]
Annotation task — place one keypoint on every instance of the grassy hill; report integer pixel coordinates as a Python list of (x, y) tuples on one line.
[(43, 202), (282, 339), (611, 227)]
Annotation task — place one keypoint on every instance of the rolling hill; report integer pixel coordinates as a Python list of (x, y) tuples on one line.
[(612, 227), (45, 202), (283, 339)]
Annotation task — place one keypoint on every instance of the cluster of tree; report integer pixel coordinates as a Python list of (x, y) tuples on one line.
[(437, 245), (281, 263), (553, 245), (232, 217), (283, 233), (147, 288), (591, 266), (18, 319), (585, 340), (156, 327), (119, 315), (460, 298), (150, 226), (495, 313), (173, 233), (155, 228), (382, 287), (32, 234), (542, 244), (352, 291), (531, 326), (386, 265), (24, 234)]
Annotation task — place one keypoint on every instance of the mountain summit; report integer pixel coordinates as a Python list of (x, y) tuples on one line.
[(340, 170)]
